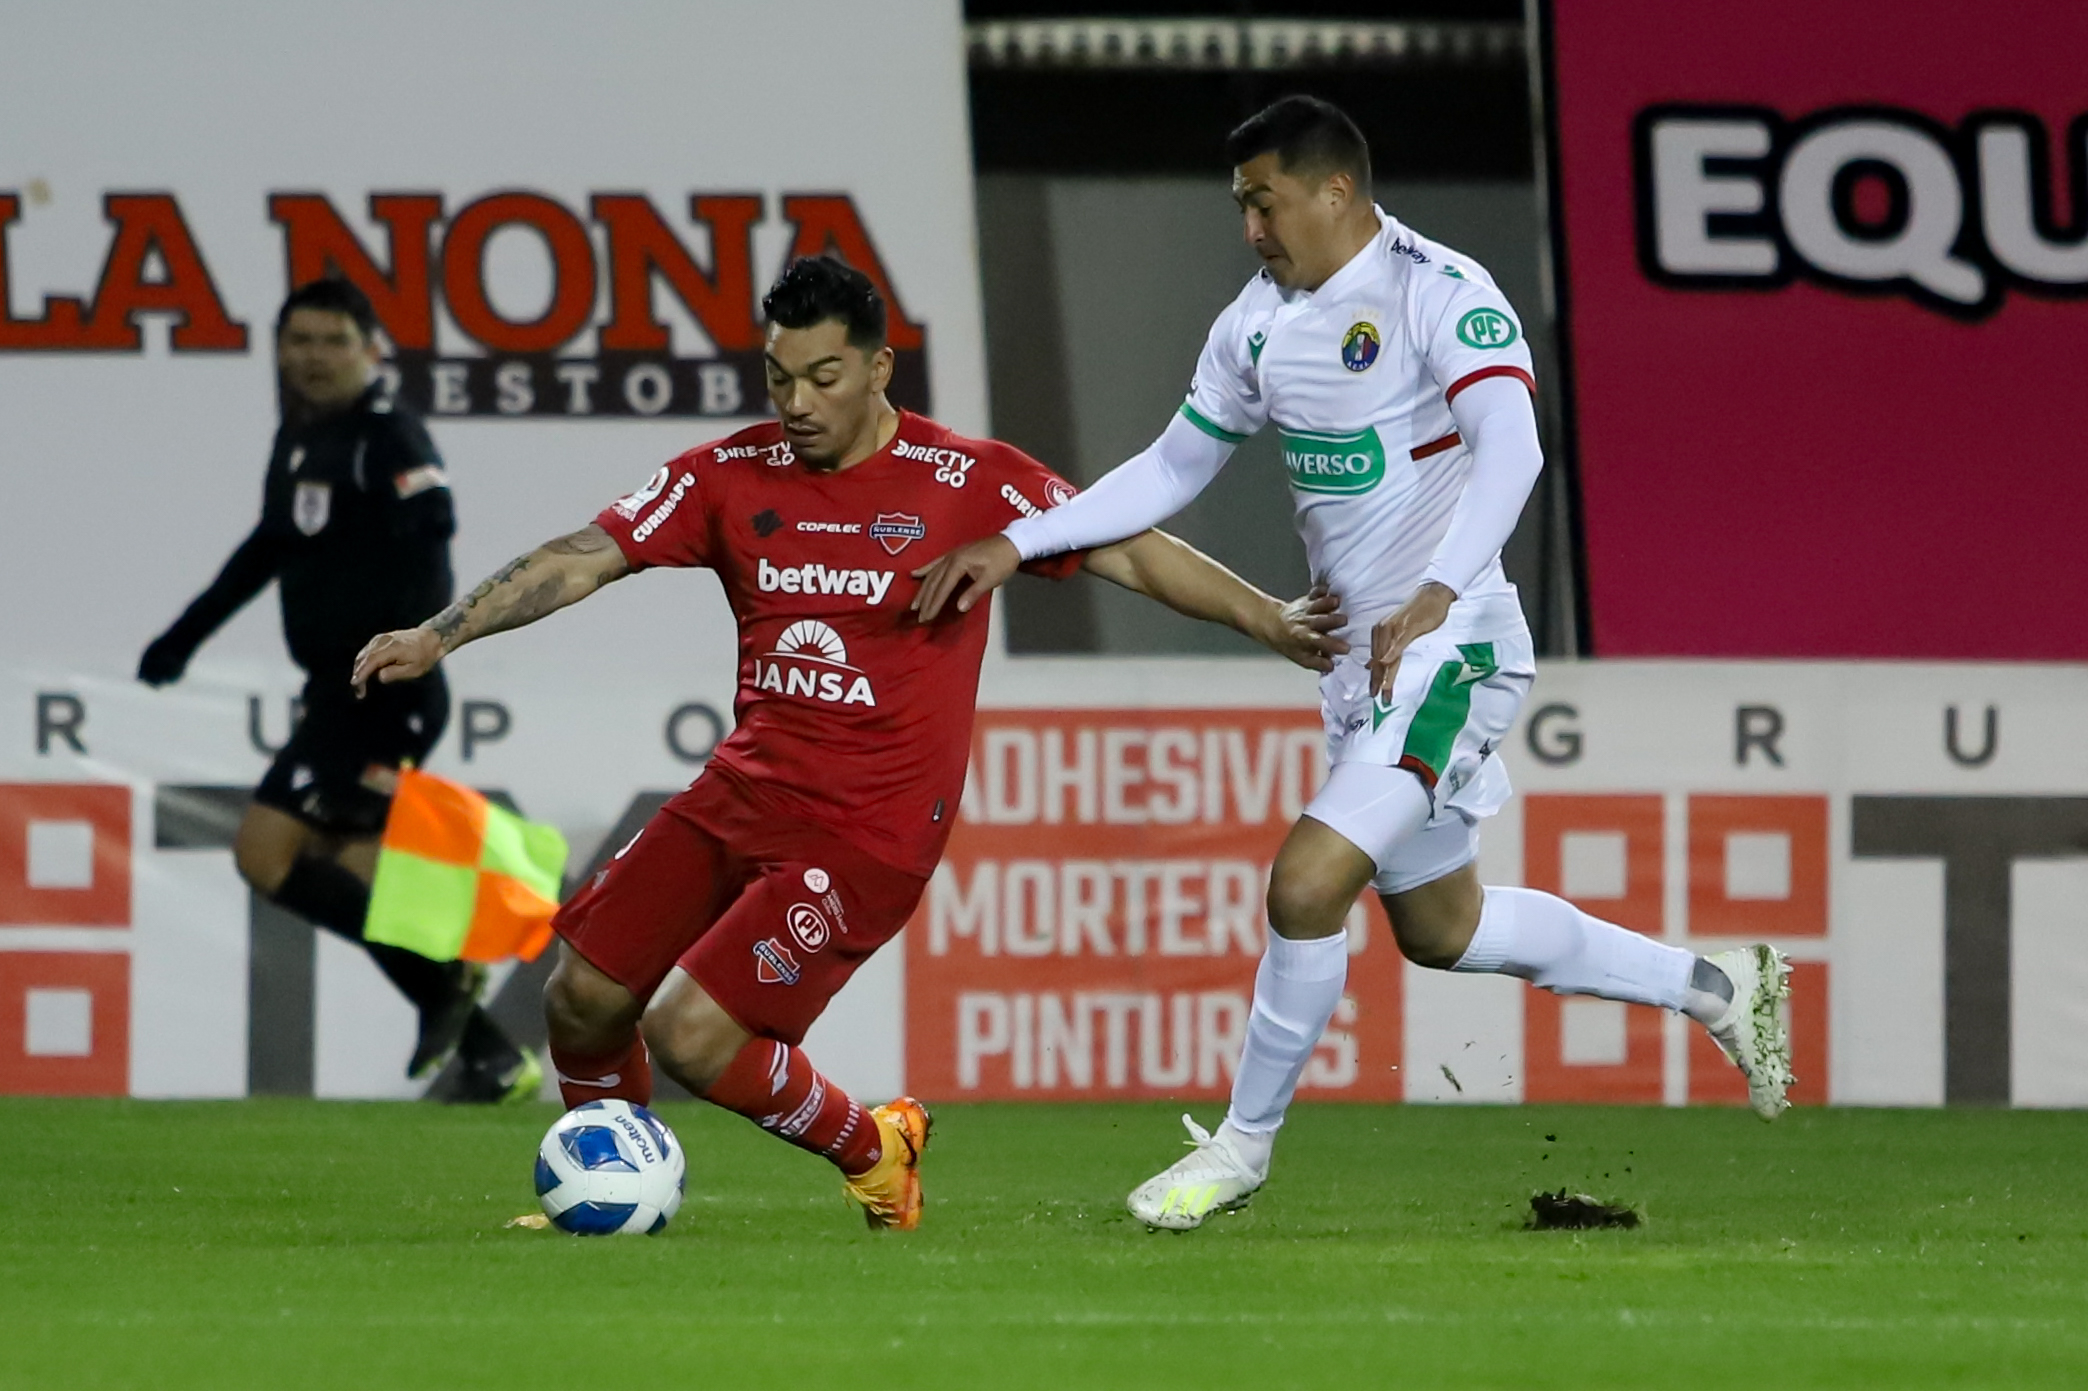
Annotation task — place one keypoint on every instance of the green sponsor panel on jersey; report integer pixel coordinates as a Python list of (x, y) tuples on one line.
[(1340, 464)]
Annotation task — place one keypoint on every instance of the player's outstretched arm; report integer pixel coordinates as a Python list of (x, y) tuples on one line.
[(1141, 492), (964, 576), (1180, 576), (559, 572)]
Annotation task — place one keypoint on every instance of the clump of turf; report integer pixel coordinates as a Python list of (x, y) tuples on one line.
[(1563, 1211)]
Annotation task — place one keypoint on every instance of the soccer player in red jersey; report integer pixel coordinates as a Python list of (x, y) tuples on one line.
[(714, 939)]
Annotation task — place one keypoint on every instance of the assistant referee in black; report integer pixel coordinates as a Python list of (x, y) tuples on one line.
[(356, 520)]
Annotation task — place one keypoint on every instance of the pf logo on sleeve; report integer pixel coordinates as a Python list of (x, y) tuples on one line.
[(1486, 328), (808, 925)]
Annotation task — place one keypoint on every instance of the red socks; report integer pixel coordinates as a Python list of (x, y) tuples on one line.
[(771, 1084), (776, 1087), (627, 1075)]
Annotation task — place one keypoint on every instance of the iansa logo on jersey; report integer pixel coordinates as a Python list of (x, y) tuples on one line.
[(1359, 348), (810, 660), (1340, 464), (895, 531), (1486, 328)]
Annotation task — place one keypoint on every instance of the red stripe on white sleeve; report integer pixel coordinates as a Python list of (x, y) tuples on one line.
[(1482, 374)]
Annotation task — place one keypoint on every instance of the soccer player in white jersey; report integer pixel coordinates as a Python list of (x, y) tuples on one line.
[(1398, 377)]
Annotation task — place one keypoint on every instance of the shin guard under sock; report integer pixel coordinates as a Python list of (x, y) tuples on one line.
[(776, 1087)]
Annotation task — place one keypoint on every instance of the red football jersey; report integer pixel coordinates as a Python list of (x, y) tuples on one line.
[(849, 713)]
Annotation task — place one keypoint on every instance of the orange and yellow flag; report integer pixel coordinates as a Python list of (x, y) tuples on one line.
[(458, 877)]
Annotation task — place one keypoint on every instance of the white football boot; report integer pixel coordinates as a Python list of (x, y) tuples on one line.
[(1753, 1031), (1213, 1177)]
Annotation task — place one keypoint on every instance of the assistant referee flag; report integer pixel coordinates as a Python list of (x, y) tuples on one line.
[(458, 877)]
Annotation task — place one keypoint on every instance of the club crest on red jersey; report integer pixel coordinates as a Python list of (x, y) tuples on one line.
[(774, 965), (895, 531), (1058, 492)]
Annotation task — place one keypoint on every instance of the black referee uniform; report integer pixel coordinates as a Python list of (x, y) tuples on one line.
[(356, 520)]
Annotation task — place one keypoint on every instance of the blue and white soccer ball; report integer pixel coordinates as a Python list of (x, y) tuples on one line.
[(609, 1168)]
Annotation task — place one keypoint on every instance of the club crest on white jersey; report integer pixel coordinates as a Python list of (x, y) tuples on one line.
[(1358, 377)]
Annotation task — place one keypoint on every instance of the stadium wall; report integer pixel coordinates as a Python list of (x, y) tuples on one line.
[(1915, 835)]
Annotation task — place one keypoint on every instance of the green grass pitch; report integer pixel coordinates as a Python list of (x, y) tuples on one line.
[(315, 1245)]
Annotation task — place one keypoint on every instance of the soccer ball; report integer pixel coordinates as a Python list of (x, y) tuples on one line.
[(609, 1168)]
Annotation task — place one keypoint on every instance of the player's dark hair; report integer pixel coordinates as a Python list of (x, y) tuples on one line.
[(1311, 139), (336, 296), (814, 289)]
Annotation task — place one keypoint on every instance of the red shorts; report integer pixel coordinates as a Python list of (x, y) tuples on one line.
[(770, 915)]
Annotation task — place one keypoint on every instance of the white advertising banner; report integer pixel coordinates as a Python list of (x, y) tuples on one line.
[(1914, 836)]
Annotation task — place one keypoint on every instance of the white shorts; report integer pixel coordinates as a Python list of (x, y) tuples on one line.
[(1385, 813), (1453, 700)]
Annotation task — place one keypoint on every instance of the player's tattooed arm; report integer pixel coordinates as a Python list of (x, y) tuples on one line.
[(559, 572)]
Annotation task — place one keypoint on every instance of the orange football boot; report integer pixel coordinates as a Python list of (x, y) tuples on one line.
[(891, 1192)]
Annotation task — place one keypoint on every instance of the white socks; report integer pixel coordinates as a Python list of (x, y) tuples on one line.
[(1550, 943), (1522, 932), (1296, 990)]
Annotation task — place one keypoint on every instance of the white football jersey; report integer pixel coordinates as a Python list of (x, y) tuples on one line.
[(1357, 377)]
